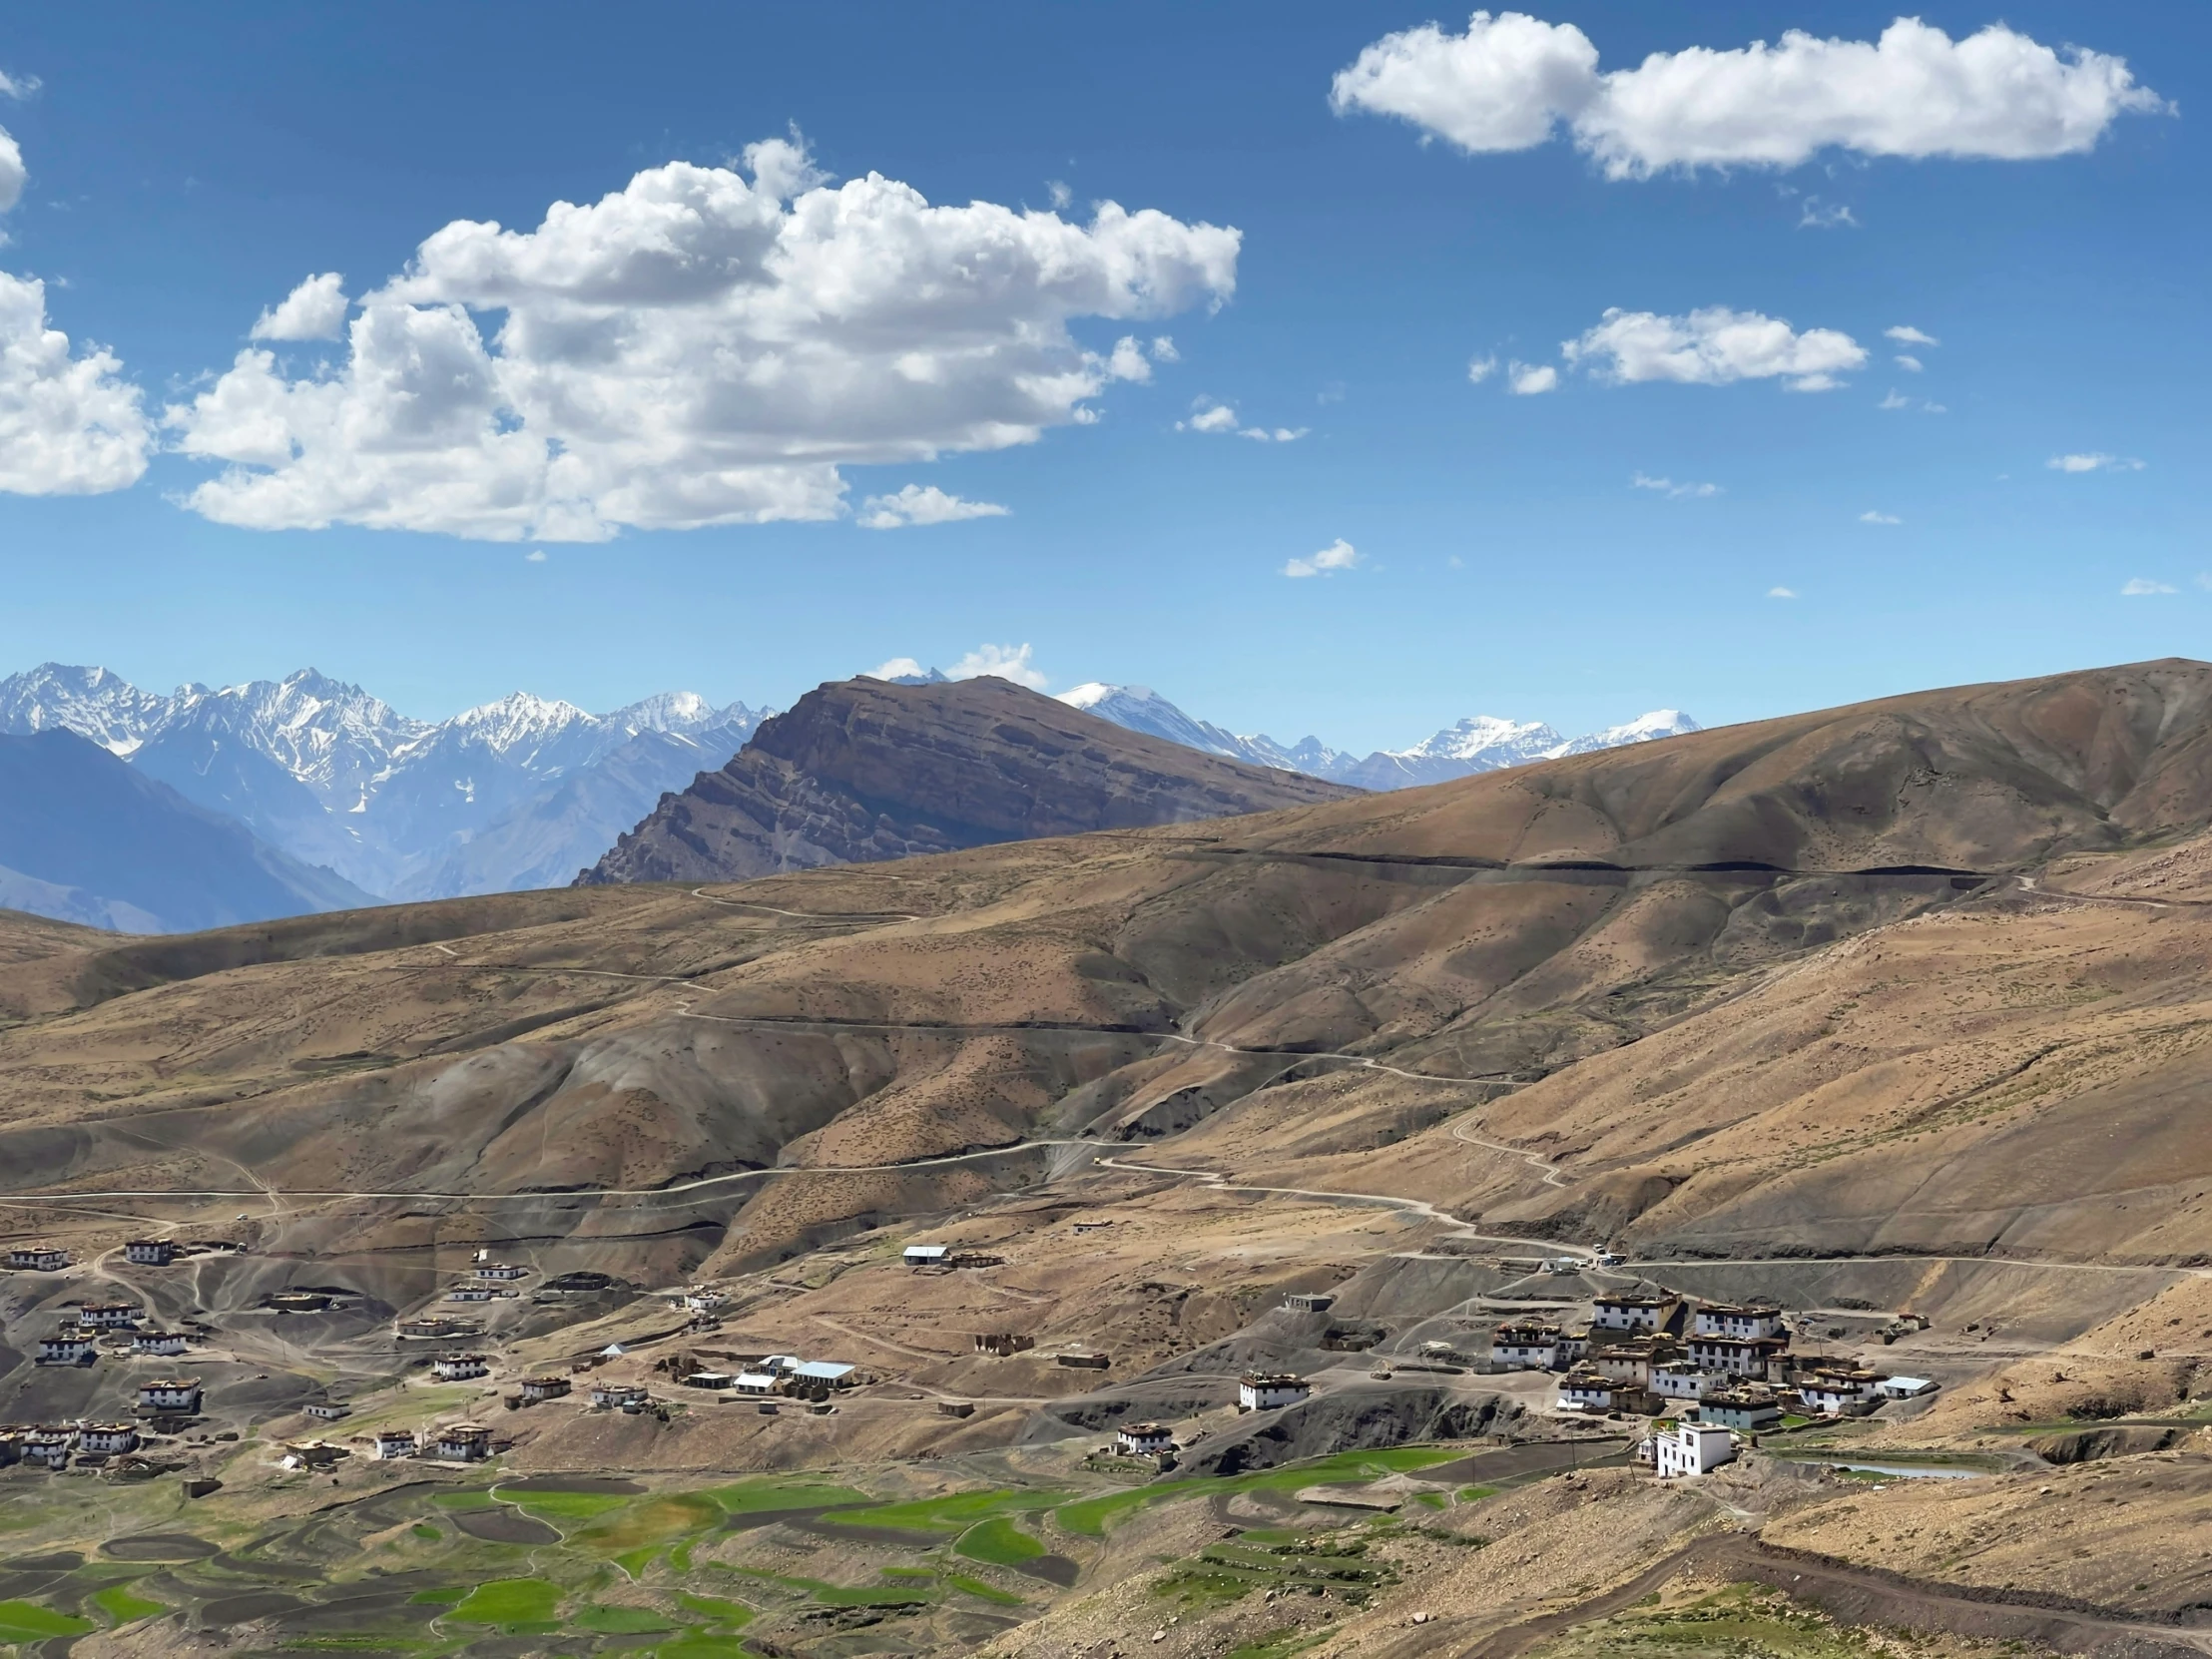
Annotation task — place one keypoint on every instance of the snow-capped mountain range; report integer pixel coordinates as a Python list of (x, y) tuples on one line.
[(519, 793), (1481, 743)]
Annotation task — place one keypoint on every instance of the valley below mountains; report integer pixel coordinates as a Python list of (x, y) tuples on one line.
[(1895, 1016)]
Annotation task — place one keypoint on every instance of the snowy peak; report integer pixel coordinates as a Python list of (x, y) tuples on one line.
[(1480, 743), (1486, 743), (517, 721), (95, 703), (1660, 723)]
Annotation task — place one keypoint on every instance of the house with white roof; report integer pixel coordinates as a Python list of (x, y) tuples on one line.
[(1693, 1449)]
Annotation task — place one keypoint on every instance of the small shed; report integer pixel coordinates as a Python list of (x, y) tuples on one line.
[(926, 1255)]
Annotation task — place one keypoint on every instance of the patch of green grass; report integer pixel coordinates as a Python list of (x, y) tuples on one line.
[(752, 1497), (702, 1647), (124, 1605), (569, 1506), (908, 1572), (476, 1497), (1090, 1517), (656, 1520), (678, 1559), (445, 1595), (426, 1532), (735, 1613), (950, 1513), (26, 1621), (1000, 1542), (1282, 1643), (983, 1592), (1476, 1494), (621, 1621), (509, 1601), (1742, 1621), (635, 1561), (1430, 1500)]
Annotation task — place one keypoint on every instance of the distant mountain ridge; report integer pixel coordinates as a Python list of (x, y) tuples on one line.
[(86, 837), (405, 808), (865, 770), (1481, 743)]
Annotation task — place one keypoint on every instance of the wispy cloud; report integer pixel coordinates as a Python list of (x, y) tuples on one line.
[(1781, 593), (535, 556), (1906, 334), (2094, 462), (1831, 218), (1338, 555), (1480, 369), (1909, 364), (1872, 517), (1667, 486), (1008, 662), (2142, 587)]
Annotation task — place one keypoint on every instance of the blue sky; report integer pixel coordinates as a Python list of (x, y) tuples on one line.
[(187, 171)]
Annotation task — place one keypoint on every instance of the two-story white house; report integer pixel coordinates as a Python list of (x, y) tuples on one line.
[(1693, 1449), (172, 1395), (1267, 1390), (1630, 1311), (1526, 1346), (1749, 1319)]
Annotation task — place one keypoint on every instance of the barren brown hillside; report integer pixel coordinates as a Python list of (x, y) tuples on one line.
[(1783, 986)]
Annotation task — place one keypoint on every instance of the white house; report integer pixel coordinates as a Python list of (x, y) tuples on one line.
[(1630, 1361), (158, 1342), (500, 1269), (49, 1447), (107, 1316), (704, 1302), (1266, 1391), (1143, 1439), (463, 1443), (1584, 1391), (926, 1255), (1630, 1311), (327, 1410), (757, 1382), (1737, 1355), (612, 1397), (1680, 1380), (1693, 1449), (538, 1390), (1841, 1393), (1737, 1318), (471, 1292), (1903, 1387), (826, 1370), (1309, 1302), (1525, 1346), (459, 1368), (67, 1348), (1744, 1410), (394, 1442), (38, 1257), (150, 1253), (108, 1437), (174, 1395)]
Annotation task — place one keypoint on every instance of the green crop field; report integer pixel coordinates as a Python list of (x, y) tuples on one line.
[(999, 1541), (509, 1601)]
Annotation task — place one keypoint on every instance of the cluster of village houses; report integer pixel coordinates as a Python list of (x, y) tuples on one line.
[(1724, 1364)]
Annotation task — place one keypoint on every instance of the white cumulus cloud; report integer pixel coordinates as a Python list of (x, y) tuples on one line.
[(1531, 380), (2096, 462), (1909, 364), (316, 310), (1210, 417), (1711, 347), (1008, 662), (693, 348), (1906, 334), (535, 556), (1871, 517), (1480, 369), (69, 424), (1510, 81), (899, 668), (1780, 593), (1338, 555), (923, 504), (2142, 587)]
